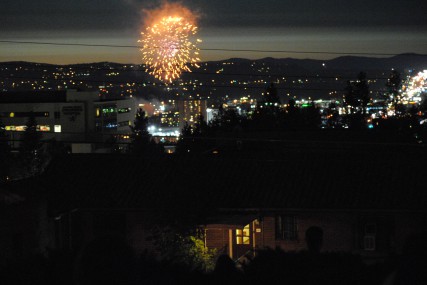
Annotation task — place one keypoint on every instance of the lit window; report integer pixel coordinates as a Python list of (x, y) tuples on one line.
[(15, 128), (43, 128), (243, 235), (123, 110), (57, 128)]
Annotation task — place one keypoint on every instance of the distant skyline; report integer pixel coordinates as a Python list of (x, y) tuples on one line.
[(331, 26)]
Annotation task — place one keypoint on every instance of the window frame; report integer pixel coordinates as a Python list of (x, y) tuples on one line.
[(243, 236), (370, 236), (286, 227)]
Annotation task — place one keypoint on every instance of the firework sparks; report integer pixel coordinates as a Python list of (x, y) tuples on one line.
[(168, 49)]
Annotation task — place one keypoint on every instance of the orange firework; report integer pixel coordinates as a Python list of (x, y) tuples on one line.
[(167, 47)]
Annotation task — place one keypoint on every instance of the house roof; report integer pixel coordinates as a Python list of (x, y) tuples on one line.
[(300, 180)]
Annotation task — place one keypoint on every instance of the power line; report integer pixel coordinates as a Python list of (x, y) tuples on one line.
[(208, 49)]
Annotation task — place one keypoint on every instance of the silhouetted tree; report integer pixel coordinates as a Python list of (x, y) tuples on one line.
[(292, 116), (423, 108), (271, 95), (195, 138), (312, 118), (186, 140), (140, 137), (4, 154), (303, 118), (291, 106), (187, 130), (113, 144), (31, 146), (332, 115), (201, 128), (357, 93), (350, 98), (362, 91), (226, 121), (31, 137), (357, 98), (265, 117), (393, 84)]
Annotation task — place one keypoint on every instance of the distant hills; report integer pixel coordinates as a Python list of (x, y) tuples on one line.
[(401, 62), (296, 77)]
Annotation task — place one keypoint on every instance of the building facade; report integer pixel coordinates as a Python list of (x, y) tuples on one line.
[(190, 110), (73, 116), (371, 234)]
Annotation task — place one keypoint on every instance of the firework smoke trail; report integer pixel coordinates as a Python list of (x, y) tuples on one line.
[(168, 49)]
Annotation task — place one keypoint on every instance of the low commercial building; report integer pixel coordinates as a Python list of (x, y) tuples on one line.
[(69, 116)]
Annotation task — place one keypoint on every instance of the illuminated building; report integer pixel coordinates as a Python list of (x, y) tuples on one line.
[(210, 114), (190, 110), (66, 115)]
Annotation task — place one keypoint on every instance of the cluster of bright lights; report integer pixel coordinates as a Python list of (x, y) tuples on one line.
[(415, 86), (167, 48), (163, 132)]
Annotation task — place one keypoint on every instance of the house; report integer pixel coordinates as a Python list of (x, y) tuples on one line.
[(366, 202)]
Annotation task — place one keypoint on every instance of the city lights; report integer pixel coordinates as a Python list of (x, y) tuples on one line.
[(416, 85)]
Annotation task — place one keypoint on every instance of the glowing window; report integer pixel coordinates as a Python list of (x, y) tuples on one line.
[(43, 128), (243, 235), (123, 110), (57, 128), (15, 128)]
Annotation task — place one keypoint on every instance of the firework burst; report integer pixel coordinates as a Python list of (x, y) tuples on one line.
[(168, 49)]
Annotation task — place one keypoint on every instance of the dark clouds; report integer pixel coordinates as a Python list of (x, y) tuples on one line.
[(66, 15), (314, 13), (125, 14)]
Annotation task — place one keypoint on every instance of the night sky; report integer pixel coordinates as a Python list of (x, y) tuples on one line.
[(371, 26)]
